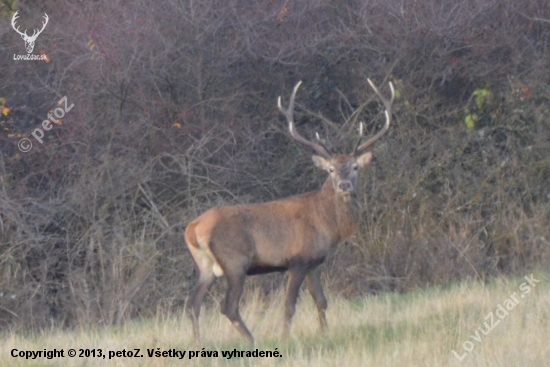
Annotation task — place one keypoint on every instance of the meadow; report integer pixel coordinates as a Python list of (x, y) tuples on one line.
[(504, 322)]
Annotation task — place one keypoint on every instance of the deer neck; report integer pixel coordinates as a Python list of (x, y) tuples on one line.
[(342, 213)]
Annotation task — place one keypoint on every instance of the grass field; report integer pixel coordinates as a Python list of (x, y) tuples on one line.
[(420, 328)]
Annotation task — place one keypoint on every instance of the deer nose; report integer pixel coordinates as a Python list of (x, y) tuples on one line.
[(344, 186)]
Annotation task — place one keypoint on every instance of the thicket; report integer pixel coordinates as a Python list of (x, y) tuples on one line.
[(175, 111)]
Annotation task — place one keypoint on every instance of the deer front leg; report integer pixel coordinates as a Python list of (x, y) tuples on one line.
[(315, 288), (295, 280)]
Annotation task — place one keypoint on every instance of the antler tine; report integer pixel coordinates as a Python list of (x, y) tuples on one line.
[(388, 106), (319, 148), (321, 143), (359, 139)]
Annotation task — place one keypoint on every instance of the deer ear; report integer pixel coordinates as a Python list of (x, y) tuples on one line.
[(364, 159), (320, 162)]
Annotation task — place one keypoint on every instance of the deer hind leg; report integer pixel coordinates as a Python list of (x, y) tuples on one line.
[(207, 268), (230, 307), (206, 279), (315, 288), (295, 280)]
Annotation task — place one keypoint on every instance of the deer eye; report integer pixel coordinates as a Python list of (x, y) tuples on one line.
[(355, 167), (331, 169)]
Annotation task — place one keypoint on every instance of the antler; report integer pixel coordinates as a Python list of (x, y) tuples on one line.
[(46, 18), (289, 114), (24, 34), (359, 149), (15, 16)]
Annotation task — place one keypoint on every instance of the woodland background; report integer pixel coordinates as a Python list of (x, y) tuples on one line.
[(175, 111)]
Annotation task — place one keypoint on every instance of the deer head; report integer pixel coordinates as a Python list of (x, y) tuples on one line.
[(343, 169)]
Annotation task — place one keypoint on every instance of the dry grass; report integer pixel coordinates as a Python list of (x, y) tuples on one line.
[(419, 328)]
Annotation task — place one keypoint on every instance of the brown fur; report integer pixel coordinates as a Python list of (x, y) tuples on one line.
[(293, 234)]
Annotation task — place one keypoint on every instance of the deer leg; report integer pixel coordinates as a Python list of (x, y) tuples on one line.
[(230, 307), (197, 296), (315, 288), (295, 280)]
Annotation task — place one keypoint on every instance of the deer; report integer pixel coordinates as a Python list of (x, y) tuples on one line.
[(293, 234), (29, 40)]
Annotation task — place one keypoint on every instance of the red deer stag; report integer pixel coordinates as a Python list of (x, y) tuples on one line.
[(293, 234)]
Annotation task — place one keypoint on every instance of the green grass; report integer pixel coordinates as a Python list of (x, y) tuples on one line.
[(419, 328)]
